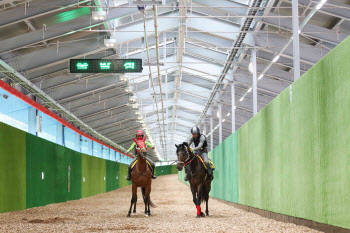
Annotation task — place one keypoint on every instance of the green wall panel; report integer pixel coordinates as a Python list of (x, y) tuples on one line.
[(294, 155), (12, 169), (112, 175), (123, 172), (40, 159), (68, 174), (93, 175), (225, 157)]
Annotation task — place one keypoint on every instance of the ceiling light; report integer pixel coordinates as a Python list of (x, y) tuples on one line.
[(250, 89), (218, 114), (241, 99), (137, 112), (235, 107), (99, 15), (260, 76), (111, 42), (276, 58), (223, 120), (250, 67), (228, 114)]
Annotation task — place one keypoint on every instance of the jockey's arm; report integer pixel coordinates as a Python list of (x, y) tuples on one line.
[(201, 142), (131, 148), (148, 144)]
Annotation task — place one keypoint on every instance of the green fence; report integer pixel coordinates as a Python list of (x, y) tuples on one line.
[(293, 157), (36, 172)]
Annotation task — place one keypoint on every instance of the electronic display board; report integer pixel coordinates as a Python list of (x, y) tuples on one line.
[(105, 65)]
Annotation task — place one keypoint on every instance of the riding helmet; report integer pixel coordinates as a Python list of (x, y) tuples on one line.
[(139, 133), (195, 130)]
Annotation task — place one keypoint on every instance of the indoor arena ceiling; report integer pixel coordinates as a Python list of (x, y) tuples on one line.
[(194, 50)]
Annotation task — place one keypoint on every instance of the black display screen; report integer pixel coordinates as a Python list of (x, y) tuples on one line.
[(105, 65)]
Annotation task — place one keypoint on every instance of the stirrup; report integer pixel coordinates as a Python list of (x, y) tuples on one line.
[(153, 176), (186, 179), (128, 178)]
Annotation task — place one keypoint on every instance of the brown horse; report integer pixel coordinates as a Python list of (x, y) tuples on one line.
[(197, 176), (141, 177)]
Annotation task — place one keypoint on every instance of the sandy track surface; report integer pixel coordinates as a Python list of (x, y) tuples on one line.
[(107, 212)]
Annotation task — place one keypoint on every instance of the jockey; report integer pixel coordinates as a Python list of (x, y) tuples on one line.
[(139, 136), (200, 143)]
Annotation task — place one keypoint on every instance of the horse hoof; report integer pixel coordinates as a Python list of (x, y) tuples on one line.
[(146, 215), (133, 213), (128, 215), (198, 216), (207, 214), (202, 214)]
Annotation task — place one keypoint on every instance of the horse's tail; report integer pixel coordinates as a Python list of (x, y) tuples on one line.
[(151, 204)]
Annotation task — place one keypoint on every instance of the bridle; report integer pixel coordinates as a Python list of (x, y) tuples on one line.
[(188, 160), (144, 157)]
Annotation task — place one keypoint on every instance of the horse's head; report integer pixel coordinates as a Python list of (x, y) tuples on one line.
[(182, 155), (141, 147)]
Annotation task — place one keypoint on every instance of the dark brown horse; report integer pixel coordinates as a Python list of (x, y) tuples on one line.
[(141, 177), (197, 176)]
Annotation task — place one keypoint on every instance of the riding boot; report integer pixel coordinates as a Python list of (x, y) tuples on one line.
[(210, 172), (129, 174), (153, 170)]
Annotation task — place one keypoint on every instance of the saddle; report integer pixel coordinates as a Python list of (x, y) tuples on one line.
[(133, 165), (202, 161)]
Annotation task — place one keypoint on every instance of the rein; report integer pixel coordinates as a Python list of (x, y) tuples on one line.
[(144, 157), (186, 162)]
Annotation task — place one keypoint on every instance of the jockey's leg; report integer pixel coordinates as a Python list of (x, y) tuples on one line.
[(153, 167), (206, 161), (129, 169)]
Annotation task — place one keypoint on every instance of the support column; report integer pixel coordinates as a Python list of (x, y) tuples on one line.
[(211, 134), (32, 120), (255, 93), (296, 52), (233, 107), (59, 134), (220, 124)]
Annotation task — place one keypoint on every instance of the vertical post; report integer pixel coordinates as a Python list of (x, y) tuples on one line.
[(233, 107), (32, 120), (211, 134), (220, 124), (164, 48), (59, 134), (255, 96), (296, 52), (142, 50), (80, 142), (205, 130)]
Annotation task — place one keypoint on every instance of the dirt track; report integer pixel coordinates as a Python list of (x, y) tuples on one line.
[(107, 212)]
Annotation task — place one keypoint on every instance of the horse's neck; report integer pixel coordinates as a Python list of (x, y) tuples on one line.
[(141, 164), (194, 162)]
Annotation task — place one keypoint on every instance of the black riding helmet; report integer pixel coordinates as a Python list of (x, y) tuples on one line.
[(195, 130)]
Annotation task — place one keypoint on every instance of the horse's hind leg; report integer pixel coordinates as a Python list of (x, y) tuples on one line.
[(206, 204), (144, 199), (148, 198)]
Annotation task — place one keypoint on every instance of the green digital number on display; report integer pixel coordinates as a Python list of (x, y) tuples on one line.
[(82, 65), (105, 65), (129, 65)]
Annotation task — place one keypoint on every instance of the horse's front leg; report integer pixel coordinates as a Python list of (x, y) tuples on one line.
[(133, 198), (198, 201)]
